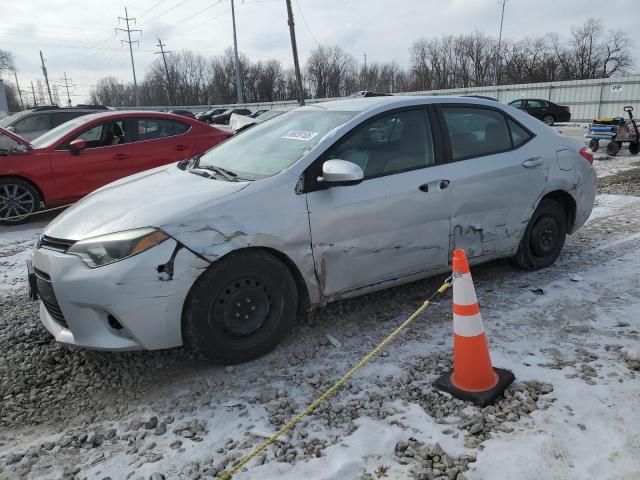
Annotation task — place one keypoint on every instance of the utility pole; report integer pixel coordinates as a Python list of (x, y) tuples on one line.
[(499, 45), (166, 69), (365, 61), (66, 81), (235, 49), (126, 18), (46, 78), (19, 91), (33, 91), (294, 48)]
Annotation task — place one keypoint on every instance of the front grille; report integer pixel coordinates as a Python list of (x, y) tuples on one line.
[(57, 244), (48, 297)]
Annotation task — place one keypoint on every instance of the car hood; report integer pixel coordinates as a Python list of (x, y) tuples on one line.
[(149, 199)]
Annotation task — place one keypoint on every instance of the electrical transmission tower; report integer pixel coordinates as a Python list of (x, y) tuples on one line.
[(163, 52), (128, 19)]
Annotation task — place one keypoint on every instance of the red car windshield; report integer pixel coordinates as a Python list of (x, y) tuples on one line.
[(47, 139)]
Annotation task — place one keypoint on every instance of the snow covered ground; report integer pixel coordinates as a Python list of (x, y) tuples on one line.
[(570, 333)]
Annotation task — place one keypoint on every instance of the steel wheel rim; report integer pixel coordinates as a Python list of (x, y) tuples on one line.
[(242, 307), (545, 236), (15, 201)]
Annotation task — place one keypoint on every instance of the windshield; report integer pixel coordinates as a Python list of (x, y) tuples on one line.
[(269, 148), (52, 136)]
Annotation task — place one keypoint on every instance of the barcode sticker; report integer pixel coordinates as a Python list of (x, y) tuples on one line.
[(303, 135)]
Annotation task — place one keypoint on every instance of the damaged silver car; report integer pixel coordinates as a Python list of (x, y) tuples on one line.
[(324, 202)]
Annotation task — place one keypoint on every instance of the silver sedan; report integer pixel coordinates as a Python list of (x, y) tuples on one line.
[(324, 202)]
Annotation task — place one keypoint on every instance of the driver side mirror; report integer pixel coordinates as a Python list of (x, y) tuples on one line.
[(340, 173), (12, 129), (77, 145)]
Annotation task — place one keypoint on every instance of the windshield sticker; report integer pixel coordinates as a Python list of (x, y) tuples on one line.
[(303, 135)]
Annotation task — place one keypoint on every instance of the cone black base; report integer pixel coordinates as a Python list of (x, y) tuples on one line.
[(482, 399)]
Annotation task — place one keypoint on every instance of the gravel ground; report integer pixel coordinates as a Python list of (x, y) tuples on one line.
[(68, 413)]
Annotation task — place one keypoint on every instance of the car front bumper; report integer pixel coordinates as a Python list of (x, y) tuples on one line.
[(127, 305)]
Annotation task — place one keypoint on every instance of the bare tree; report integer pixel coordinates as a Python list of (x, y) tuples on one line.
[(6, 61)]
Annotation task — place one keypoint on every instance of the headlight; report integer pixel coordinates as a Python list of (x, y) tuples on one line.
[(113, 247)]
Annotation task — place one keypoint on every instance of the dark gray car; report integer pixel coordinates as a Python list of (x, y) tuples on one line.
[(30, 124)]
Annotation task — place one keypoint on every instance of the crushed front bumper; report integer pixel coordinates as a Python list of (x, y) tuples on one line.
[(128, 305)]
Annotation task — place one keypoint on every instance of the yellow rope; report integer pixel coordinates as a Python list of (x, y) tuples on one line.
[(334, 388), (26, 215)]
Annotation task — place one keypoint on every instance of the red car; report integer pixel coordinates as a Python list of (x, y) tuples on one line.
[(88, 152)]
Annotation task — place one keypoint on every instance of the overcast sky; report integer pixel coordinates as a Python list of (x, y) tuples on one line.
[(77, 37)]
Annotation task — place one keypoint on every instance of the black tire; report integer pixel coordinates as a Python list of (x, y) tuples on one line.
[(240, 308), (18, 198), (548, 119), (544, 237), (634, 148), (613, 148), (594, 144)]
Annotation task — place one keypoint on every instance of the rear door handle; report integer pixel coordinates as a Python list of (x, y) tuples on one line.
[(444, 184), (181, 147), (533, 162), (120, 156)]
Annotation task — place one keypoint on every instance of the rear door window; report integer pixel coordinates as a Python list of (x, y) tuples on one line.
[(475, 132), (34, 123), (519, 135), (535, 104), (62, 117), (516, 103), (154, 128)]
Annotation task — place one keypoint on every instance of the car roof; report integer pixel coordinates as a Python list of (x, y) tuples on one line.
[(367, 103), (131, 113)]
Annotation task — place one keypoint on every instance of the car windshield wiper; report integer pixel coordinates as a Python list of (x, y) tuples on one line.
[(227, 174)]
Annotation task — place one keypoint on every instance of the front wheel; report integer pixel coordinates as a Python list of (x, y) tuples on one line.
[(594, 144), (544, 237), (548, 119), (634, 148), (240, 308), (18, 200)]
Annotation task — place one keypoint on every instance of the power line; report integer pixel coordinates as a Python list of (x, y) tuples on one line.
[(127, 19), (149, 9), (158, 32), (167, 11), (305, 22)]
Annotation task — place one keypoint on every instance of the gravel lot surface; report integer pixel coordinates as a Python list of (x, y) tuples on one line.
[(570, 333)]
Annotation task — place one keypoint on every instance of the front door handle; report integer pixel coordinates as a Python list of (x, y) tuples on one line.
[(180, 148), (120, 156), (532, 162), (424, 187)]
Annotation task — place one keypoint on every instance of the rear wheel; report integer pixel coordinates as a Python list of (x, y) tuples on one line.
[(544, 237), (594, 144), (240, 308), (634, 148), (613, 148), (18, 199), (548, 119)]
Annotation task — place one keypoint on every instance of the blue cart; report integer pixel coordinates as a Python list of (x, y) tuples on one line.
[(617, 131)]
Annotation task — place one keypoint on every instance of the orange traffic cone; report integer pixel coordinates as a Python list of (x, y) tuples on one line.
[(473, 378)]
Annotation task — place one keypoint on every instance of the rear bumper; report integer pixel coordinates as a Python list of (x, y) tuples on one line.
[(584, 195), (79, 305)]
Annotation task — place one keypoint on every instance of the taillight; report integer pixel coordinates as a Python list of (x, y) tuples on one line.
[(587, 155)]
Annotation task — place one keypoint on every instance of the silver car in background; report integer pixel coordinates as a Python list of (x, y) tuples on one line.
[(323, 202)]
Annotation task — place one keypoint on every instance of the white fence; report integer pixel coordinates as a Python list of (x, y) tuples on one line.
[(587, 99)]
